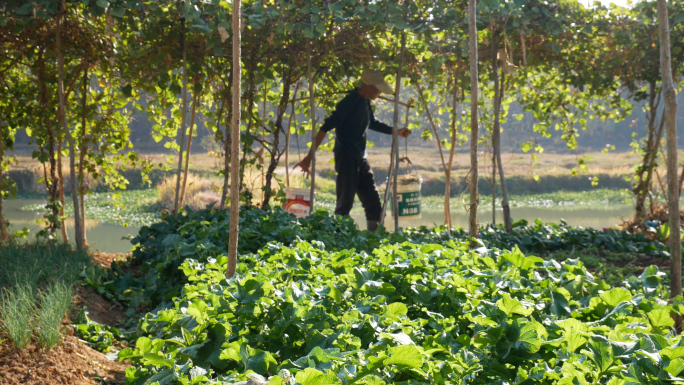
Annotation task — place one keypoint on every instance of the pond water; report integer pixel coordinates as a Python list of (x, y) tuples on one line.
[(105, 237), (109, 237), (575, 216)]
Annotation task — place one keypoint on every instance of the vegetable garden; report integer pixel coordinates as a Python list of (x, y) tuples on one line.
[(325, 303), (246, 293)]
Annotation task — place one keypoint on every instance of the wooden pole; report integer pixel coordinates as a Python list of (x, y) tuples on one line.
[(472, 31), (4, 235), (82, 152), (508, 223), (287, 141), (670, 116), (235, 144), (80, 244), (195, 101), (496, 137), (389, 184), (395, 133), (176, 200), (312, 105)]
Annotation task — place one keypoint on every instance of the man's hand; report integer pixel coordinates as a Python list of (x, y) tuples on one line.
[(304, 165), (404, 132)]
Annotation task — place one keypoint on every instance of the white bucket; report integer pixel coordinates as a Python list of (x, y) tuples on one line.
[(408, 197), (298, 201)]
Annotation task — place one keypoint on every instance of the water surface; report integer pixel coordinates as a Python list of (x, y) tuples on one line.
[(105, 237), (108, 237), (575, 216)]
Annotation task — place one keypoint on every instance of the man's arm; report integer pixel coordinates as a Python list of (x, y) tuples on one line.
[(306, 162), (378, 126)]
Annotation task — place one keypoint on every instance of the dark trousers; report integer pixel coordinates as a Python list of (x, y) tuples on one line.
[(354, 176)]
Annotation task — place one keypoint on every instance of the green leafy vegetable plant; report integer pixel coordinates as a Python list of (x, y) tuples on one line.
[(103, 338), (407, 313)]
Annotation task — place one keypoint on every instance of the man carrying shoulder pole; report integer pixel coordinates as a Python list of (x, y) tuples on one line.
[(352, 118)]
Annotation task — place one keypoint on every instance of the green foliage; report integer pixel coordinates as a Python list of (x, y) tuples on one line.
[(202, 235), (37, 279), (127, 207), (17, 306), (550, 237), (40, 263), (162, 247), (103, 338), (407, 313), (55, 301), (612, 267)]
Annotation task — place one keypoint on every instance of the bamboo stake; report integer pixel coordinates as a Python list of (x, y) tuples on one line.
[(392, 170), (235, 144), (82, 152), (176, 200), (195, 101), (395, 130), (3, 225), (474, 134), (447, 197), (496, 138), (287, 141), (62, 112), (312, 105), (263, 141), (670, 115)]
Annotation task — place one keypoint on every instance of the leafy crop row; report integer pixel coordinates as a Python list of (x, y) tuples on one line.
[(407, 313), (201, 235)]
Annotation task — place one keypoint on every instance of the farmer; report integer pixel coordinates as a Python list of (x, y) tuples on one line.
[(352, 118)]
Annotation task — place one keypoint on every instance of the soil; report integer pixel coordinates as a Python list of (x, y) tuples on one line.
[(659, 213), (106, 259), (72, 362), (99, 309)]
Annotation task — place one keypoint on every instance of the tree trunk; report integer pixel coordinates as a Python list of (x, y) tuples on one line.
[(474, 196), (275, 151), (81, 159), (493, 182), (4, 234), (452, 152), (495, 126), (670, 116), (80, 243), (447, 170), (195, 101), (183, 113), (263, 146), (51, 184), (645, 170), (235, 144), (62, 215), (496, 138), (251, 71), (312, 116), (395, 130), (227, 143), (287, 140)]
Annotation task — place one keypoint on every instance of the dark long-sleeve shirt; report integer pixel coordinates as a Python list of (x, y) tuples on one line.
[(352, 118)]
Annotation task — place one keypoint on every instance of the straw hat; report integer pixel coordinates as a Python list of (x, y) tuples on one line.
[(377, 79)]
